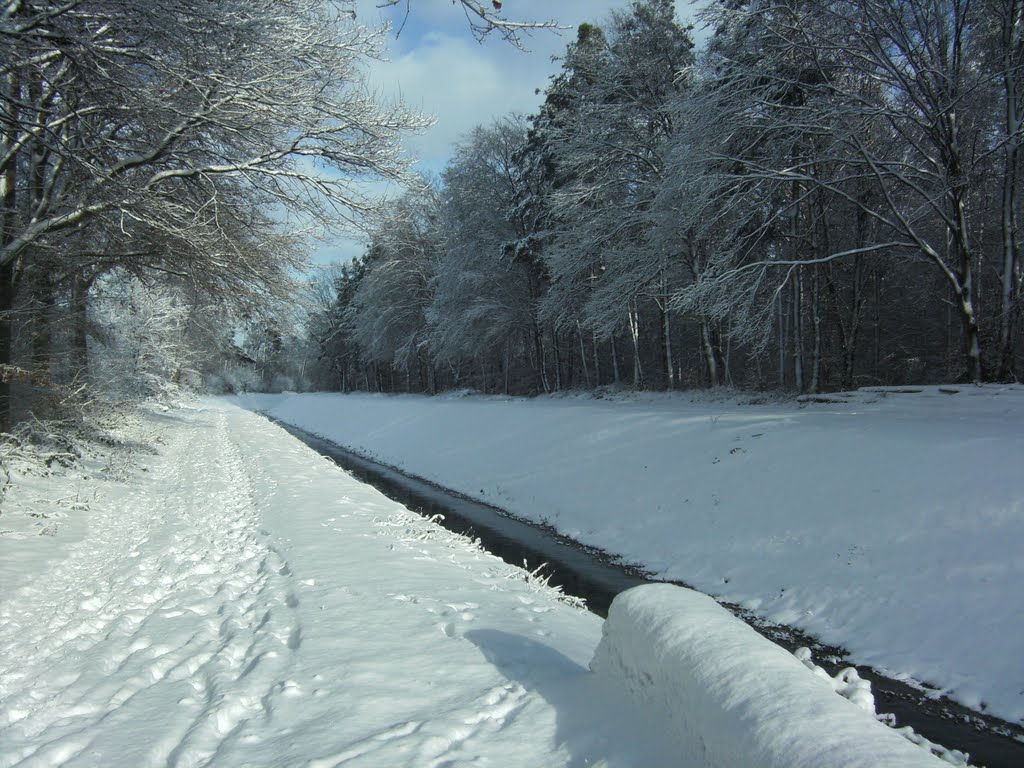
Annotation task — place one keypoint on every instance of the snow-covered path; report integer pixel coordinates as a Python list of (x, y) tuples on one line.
[(244, 602)]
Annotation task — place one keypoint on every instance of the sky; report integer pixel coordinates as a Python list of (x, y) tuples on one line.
[(436, 66)]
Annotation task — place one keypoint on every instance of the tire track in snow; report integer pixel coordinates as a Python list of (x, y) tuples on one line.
[(172, 609)]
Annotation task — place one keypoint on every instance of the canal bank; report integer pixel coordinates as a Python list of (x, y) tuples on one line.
[(594, 576)]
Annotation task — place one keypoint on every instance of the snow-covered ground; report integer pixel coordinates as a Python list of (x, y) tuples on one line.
[(235, 599), (889, 523), (245, 602)]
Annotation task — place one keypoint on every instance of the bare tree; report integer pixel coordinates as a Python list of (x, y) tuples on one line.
[(1005, 58), (485, 300), (889, 91), (178, 124), (388, 314)]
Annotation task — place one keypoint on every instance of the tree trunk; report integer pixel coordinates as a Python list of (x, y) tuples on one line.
[(727, 359), (963, 279), (427, 372), (852, 332), (877, 357), (710, 359), (43, 306), (583, 354), (797, 295), (543, 351), (8, 199), (963, 286), (798, 335), (816, 320), (545, 385), (1009, 287), (782, 337), (972, 338), (634, 334), (666, 340), (556, 348), (7, 289), (508, 366), (615, 363)]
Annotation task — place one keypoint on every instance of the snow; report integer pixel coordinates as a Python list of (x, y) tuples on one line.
[(890, 523), (238, 600), (235, 599), (731, 698)]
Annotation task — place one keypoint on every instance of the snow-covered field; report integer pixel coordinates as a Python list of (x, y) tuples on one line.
[(235, 599), (889, 523)]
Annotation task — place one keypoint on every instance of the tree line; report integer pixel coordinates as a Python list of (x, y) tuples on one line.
[(161, 164), (824, 196)]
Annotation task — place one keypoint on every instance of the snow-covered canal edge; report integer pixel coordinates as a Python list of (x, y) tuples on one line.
[(244, 602), (886, 523)]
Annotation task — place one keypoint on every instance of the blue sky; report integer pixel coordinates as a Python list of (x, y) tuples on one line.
[(437, 67)]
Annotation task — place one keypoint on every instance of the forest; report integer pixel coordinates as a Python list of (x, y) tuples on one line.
[(823, 195)]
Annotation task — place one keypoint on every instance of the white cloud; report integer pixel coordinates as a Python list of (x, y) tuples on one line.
[(452, 80)]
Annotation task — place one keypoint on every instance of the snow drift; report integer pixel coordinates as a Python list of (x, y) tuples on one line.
[(731, 698)]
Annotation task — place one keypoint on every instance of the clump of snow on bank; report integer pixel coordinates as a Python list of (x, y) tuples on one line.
[(850, 685), (732, 698), (846, 682)]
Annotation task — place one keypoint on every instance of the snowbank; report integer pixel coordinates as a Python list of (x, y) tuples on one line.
[(732, 698)]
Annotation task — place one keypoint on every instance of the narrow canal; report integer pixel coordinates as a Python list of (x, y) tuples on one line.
[(597, 578)]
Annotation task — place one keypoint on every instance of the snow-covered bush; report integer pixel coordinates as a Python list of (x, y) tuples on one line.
[(145, 354), (241, 378)]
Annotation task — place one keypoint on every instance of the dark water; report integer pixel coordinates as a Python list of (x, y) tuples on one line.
[(597, 578)]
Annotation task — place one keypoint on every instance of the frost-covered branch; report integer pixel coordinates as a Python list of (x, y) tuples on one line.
[(485, 17)]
